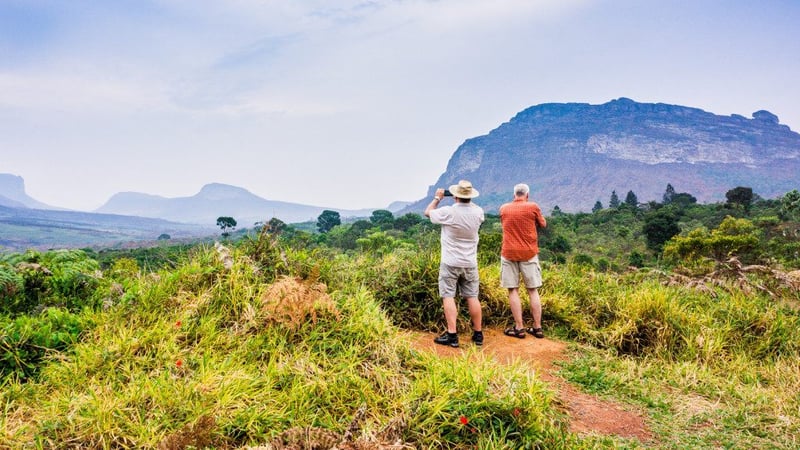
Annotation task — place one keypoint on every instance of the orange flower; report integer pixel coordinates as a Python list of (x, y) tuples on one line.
[(463, 420), (178, 324), (179, 363), (516, 411)]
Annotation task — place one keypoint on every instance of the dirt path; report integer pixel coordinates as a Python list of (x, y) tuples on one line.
[(589, 413)]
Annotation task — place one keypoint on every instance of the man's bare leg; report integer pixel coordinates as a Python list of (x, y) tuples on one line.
[(450, 313), (516, 308), (536, 307), (475, 313)]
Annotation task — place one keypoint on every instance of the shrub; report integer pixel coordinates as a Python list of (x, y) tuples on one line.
[(12, 298), (27, 340), (582, 259), (405, 283), (33, 281), (636, 259), (603, 265), (733, 237)]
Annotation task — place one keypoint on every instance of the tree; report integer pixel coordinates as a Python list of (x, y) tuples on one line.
[(631, 200), (739, 237), (790, 204), (346, 236), (382, 218), (164, 237), (225, 223), (378, 241), (557, 211), (327, 220), (683, 199), (614, 201), (275, 226), (742, 196), (659, 226), (559, 244), (597, 206), (360, 226), (668, 195), (406, 221)]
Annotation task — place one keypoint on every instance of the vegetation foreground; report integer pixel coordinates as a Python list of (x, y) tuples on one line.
[(284, 340)]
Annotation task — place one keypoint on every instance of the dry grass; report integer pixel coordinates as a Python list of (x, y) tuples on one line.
[(733, 276), (291, 302)]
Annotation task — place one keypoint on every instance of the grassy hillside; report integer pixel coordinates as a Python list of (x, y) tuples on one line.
[(286, 336)]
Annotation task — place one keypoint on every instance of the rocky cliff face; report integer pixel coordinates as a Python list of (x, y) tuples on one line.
[(12, 193), (574, 154)]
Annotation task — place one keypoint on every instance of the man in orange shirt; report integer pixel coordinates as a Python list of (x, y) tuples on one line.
[(519, 254)]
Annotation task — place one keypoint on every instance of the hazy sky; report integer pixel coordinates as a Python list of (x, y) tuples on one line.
[(347, 103)]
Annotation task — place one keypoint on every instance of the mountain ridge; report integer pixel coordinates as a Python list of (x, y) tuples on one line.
[(215, 200), (212, 201), (573, 154)]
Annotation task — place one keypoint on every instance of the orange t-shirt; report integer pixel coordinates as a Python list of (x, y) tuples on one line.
[(520, 219)]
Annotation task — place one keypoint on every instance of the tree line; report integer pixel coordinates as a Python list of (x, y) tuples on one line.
[(626, 233)]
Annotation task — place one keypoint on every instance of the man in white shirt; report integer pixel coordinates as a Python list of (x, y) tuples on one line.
[(458, 269)]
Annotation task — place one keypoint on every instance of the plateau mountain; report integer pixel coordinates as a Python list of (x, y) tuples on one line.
[(13, 195), (574, 154)]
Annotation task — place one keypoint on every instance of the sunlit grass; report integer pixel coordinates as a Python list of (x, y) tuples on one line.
[(740, 403), (201, 355)]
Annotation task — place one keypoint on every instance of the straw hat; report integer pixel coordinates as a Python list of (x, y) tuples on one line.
[(463, 189)]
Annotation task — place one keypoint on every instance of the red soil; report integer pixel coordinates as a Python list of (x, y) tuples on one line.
[(589, 414)]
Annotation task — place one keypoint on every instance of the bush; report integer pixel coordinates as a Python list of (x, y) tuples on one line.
[(27, 340), (12, 298), (733, 237), (582, 259), (33, 281), (74, 281), (405, 283), (635, 314), (636, 259)]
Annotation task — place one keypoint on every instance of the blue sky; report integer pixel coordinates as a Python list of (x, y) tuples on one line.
[(349, 104)]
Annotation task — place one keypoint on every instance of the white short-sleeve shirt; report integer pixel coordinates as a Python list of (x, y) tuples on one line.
[(460, 223)]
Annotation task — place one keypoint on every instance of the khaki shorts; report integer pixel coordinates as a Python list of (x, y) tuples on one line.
[(465, 279), (511, 270)]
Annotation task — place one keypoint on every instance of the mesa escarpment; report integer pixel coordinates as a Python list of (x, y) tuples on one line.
[(573, 154)]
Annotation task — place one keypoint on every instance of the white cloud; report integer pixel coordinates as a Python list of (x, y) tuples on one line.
[(79, 94)]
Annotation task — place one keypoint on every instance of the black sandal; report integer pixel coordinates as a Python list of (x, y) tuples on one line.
[(538, 332), (513, 332)]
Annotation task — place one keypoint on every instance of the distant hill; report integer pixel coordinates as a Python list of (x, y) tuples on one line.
[(573, 154), (27, 228), (26, 223), (130, 218), (215, 200), (12, 193), (397, 206)]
